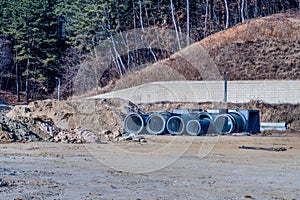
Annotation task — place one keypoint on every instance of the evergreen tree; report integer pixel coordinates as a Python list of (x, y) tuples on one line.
[(32, 28)]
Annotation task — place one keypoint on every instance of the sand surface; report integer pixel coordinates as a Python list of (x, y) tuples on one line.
[(168, 168)]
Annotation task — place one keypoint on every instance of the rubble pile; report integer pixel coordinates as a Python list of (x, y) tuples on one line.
[(79, 135), (73, 121), (11, 131)]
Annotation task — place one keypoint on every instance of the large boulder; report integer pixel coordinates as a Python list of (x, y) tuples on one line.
[(13, 131)]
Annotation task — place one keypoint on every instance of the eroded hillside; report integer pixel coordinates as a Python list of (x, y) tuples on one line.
[(264, 48), (258, 49)]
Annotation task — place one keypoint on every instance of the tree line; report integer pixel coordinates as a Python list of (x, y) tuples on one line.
[(44, 39)]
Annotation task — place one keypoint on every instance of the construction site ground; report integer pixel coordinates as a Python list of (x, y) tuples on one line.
[(163, 167), (199, 168)]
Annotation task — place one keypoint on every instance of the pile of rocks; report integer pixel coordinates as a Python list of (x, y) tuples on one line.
[(79, 135), (13, 131), (74, 121)]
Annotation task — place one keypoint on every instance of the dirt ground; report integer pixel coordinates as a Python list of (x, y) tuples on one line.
[(169, 168)]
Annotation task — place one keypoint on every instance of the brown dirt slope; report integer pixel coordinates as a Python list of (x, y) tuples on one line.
[(191, 63), (264, 48), (258, 49)]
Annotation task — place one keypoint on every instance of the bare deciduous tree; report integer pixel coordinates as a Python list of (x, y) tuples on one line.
[(175, 25), (187, 22), (227, 14), (242, 10), (206, 17)]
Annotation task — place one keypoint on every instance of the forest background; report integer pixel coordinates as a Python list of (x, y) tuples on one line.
[(42, 40)]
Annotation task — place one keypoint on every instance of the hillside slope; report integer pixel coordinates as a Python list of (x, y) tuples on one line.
[(264, 48), (258, 49)]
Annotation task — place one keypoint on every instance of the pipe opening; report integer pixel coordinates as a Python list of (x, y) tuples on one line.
[(175, 125), (133, 123), (193, 127), (232, 122), (224, 124), (156, 124), (204, 115), (240, 120), (198, 127)]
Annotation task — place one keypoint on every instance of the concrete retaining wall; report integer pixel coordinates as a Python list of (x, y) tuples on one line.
[(201, 91)]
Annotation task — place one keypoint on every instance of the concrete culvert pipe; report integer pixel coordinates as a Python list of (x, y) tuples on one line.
[(199, 124), (193, 127), (203, 115), (240, 122), (230, 123), (134, 123), (224, 124), (197, 127), (156, 122), (175, 125)]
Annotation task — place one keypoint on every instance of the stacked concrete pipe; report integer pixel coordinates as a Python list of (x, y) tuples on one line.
[(200, 124), (191, 123), (232, 122), (156, 122), (176, 124), (134, 123)]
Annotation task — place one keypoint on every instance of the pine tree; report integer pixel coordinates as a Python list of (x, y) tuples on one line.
[(32, 28)]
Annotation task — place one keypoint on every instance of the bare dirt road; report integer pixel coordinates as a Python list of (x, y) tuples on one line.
[(170, 168)]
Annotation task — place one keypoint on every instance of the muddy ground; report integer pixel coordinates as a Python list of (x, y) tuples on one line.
[(170, 168)]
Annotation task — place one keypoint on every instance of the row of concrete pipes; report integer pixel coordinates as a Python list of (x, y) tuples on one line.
[(192, 123)]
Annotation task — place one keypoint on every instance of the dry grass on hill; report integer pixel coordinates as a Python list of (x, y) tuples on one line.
[(258, 49), (264, 48)]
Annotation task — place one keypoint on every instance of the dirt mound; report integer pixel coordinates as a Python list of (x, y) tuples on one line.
[(258, 49), (66, 121), (191, 63), (264, 48)]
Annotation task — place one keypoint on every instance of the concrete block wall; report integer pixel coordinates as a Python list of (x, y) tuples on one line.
[(274, 91), (271, 91)]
